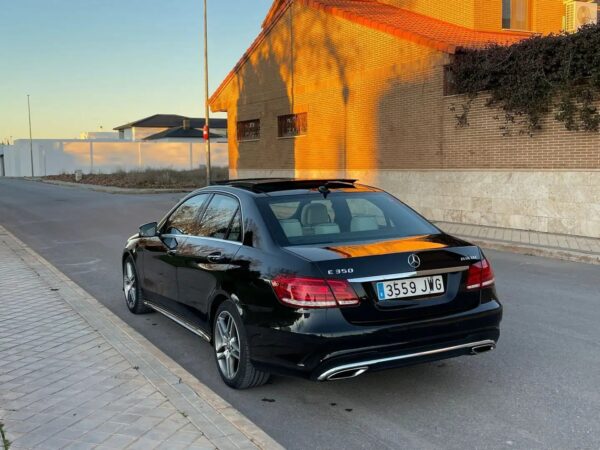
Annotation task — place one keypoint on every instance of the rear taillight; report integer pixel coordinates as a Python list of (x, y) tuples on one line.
[(304, 292), (480, 275)]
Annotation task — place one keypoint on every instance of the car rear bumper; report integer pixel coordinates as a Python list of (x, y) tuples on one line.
[(307, 350), (357, 364)]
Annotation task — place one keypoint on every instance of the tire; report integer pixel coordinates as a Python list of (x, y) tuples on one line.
[(228, 329), (131, 288)]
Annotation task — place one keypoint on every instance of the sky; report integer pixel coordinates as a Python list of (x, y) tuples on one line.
[(89, 64)]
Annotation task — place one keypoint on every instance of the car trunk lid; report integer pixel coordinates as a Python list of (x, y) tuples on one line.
[(425, 258)]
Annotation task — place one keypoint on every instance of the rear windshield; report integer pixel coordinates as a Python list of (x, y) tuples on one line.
[(341, 217)]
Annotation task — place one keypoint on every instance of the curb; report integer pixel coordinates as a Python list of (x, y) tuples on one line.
[(178, 385), (532, 250), (110, 189)]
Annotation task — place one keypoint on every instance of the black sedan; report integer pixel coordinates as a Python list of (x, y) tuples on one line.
[(322, 279)]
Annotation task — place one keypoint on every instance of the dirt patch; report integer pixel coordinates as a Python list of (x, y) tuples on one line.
[(149, 179)]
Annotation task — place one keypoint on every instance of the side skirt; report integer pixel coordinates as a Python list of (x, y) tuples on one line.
[(194, 329)]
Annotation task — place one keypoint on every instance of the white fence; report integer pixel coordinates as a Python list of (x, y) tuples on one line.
[(53, 157)]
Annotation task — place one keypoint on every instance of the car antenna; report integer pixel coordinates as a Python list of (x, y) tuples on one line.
[(324, 190)]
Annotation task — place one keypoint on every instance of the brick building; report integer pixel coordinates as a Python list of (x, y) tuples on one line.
[(355, 88)]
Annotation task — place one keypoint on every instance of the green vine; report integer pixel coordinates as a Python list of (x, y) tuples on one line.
[(530, 79)]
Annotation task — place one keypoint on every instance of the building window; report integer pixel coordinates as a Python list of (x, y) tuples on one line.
[(292, 125), (248, 130), (515, 14)]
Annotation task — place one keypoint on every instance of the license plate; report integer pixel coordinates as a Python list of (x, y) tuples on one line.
[(411, 287)]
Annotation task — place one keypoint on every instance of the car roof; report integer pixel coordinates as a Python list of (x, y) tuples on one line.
[(286, 186)]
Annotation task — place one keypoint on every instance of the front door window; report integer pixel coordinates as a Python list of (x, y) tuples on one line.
[(218, 216), (184, 221)]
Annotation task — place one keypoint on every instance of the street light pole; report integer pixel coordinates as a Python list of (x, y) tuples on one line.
[(30, 136), (206, 107)]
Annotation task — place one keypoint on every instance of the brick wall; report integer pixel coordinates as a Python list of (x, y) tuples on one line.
[(547, 16), (375, 101), (371, 99), (482, 144)]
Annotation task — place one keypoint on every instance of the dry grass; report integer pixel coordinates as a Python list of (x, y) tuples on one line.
[(149, 178)]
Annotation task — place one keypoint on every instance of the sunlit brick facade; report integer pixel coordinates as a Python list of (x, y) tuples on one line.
[(369, 82)]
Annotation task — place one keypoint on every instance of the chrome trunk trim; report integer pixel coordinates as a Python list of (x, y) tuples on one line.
[(417, 273)]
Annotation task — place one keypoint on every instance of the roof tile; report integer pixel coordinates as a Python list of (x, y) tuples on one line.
[(413, 26)]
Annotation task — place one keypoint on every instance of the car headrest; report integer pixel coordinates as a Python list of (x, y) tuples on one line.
[(363, 223), (315, 214)]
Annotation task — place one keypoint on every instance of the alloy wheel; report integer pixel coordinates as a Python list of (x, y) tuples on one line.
[(129, 285), (227, 345)]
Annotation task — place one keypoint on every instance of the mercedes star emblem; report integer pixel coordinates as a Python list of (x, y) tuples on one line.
[(414, 261)]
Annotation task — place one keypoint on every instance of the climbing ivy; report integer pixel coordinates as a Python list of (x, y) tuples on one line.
[(530, 79)]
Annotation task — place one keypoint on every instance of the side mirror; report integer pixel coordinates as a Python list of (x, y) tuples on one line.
[(149, 229)]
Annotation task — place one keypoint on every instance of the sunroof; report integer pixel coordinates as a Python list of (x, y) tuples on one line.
[(283, 184)]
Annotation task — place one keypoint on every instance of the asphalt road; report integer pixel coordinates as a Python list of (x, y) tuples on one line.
[(539, 389)]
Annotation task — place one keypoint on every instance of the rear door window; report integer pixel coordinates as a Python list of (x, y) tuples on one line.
[(235, 229)]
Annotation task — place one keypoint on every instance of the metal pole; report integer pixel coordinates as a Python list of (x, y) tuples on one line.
[(30, 135), (206, 107)]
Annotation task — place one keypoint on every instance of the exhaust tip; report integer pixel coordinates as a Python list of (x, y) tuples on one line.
[(478, 349), (347, 373)]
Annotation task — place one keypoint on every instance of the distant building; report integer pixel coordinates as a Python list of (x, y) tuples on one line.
[(189, 127), (186, 133)]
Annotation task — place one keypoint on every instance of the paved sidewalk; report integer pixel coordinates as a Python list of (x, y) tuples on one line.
[(73, 375), (560, 246)]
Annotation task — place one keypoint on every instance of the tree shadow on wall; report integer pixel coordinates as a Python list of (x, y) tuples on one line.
[(262, 95), (295, 53)]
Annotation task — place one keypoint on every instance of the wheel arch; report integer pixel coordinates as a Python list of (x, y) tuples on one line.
[(126, 254), (214, 305), (217, 300)]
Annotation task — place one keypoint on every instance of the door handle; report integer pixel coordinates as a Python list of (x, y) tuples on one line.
[(216, 257)]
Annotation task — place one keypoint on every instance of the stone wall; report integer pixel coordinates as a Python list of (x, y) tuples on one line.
[(566, 202)]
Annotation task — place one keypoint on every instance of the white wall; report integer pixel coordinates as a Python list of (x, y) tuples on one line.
[(53, 157)]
